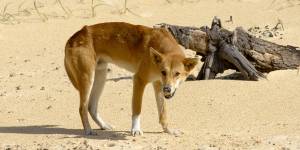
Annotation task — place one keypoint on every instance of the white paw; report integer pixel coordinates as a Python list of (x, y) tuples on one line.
[(135, 132), (136, 126), (107, 126), (173, 132)]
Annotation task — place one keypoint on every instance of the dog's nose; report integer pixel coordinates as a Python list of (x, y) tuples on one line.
[(167, 89)]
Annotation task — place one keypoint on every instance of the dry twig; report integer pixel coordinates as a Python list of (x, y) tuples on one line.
[(43, 16), (126, 9), (68, 12), (7, 17), (279, 23)]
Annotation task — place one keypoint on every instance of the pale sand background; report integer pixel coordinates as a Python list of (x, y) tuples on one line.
[(39, 106)]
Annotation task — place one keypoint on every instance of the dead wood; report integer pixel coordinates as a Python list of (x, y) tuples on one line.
[(234, 50)]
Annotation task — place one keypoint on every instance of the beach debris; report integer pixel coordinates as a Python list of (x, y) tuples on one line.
[(229, 20), (49, 107), (266, 32), (12, 74), (18, 87)]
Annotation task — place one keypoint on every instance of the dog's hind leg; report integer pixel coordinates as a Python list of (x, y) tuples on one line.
[(81, 72), (98, 85), (85, 81)]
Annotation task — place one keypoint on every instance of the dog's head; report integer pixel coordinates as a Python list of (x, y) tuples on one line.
[(173, 69)]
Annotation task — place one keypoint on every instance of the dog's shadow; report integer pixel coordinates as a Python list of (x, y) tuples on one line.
[(70, 133), (119, 78)]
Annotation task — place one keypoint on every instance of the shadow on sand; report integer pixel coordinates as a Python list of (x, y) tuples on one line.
[(119, 78), (78, 133), (54, 129)]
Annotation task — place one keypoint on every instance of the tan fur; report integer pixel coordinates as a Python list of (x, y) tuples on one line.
[(151, 54)]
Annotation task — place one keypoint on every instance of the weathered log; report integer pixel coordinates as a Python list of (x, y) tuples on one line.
[(217, 54), (265, 56), (220, 53)]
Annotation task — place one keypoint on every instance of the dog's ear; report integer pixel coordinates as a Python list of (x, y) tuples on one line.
[(155, 56), (190, 63)]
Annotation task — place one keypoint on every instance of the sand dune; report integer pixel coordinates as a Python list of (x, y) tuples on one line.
[(39, 106)]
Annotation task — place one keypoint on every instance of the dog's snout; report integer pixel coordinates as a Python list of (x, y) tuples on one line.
[(167, 89)]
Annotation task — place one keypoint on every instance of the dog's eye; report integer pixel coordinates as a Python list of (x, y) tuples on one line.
[(164, 73), (177, 74)]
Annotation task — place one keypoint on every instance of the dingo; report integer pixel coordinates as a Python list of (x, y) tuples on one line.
[(151, 54)]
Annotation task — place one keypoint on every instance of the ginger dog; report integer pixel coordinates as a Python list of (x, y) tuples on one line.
[(153, 55)]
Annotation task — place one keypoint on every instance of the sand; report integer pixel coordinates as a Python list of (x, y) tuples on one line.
[(39, 106)]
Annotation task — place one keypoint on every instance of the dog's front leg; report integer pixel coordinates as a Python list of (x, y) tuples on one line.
[(138, 90), (161, 105), (162, 109)]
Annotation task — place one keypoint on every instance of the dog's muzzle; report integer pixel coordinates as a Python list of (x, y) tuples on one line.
[(168, 92), (169, 96)]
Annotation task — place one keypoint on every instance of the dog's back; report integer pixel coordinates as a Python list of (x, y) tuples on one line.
[(121, 43)]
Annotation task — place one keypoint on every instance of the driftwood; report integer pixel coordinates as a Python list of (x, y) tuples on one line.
[(222, 49)]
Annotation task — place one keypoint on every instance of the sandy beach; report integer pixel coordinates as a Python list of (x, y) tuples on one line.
[(39, 105)]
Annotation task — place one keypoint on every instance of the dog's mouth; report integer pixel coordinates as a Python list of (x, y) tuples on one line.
[(170, 95)]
